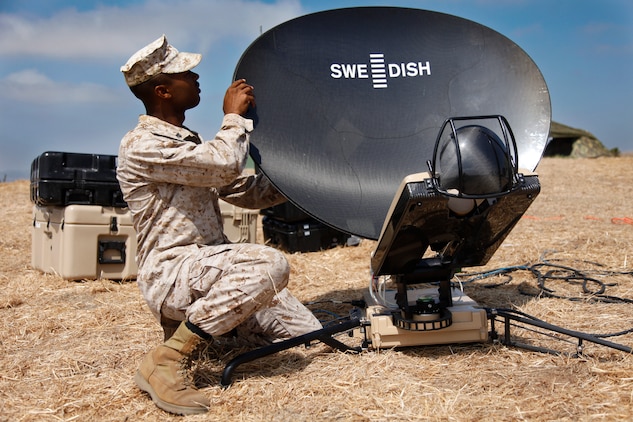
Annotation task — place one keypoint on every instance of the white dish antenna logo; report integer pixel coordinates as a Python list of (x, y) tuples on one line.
[(379, 71)]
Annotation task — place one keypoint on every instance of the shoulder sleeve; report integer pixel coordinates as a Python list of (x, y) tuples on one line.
[(212, 163)]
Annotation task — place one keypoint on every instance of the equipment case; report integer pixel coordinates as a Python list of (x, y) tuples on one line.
[(84, 242), (286, 212), (65, 178), (240, 224), (307, 236), (93, 241)]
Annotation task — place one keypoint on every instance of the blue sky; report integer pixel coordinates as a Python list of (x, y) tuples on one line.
[(61, 89)]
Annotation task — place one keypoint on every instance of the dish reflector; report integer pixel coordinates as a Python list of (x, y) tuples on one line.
[(350, 101)]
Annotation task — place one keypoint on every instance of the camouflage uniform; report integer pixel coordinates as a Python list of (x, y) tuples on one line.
[(171, 180)]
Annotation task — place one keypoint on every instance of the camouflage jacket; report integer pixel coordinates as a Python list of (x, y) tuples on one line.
[(171, 180)]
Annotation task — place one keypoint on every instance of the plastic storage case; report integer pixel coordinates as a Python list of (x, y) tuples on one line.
[(66, 178), (92, 241), (306, 236), (240, 224), (84, 242), (286, 212)]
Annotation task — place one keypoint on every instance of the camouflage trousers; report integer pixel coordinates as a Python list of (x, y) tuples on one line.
[(239, 286)]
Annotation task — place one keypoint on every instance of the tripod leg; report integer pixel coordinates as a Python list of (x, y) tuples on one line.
[(324, 335)]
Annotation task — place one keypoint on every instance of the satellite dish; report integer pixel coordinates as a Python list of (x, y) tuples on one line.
[(350, 101)]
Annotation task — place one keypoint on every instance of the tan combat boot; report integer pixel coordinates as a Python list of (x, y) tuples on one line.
[(161, 375)]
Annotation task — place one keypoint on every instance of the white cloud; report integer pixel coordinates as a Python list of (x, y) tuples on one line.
[(112, 32), (31, 86), (108, 35)]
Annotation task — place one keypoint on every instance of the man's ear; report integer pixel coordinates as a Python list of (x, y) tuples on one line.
[(162, 91)]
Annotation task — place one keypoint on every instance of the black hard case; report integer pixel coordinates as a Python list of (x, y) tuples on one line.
[(286, 212), (306, 236), (66, 178)]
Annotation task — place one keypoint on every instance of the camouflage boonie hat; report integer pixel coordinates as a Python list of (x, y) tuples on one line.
[(157, 57)]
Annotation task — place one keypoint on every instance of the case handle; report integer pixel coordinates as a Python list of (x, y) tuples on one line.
[(112, 245)]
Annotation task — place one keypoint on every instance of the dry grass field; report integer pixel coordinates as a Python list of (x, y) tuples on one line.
[(69, 350)]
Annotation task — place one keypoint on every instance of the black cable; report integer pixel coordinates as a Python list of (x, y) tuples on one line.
[(545, 270), (333, 316)]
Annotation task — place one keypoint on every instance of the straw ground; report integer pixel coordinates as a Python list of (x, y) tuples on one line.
[(69, 350)]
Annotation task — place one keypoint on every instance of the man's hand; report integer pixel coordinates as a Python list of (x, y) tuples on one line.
[(238, 98)]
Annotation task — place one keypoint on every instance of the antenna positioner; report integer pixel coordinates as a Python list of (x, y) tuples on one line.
[(441, 320)]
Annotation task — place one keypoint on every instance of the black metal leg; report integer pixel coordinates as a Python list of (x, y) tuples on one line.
[(511, 316), (324, 335)]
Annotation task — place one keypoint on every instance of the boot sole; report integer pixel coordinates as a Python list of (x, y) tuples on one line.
[(144, 385)]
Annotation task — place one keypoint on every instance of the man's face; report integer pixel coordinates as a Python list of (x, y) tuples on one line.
[(184, 89)]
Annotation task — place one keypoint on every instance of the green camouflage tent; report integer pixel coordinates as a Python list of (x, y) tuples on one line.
[(571, 142)]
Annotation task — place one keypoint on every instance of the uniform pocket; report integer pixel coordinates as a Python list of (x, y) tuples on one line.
[(204, 271)]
